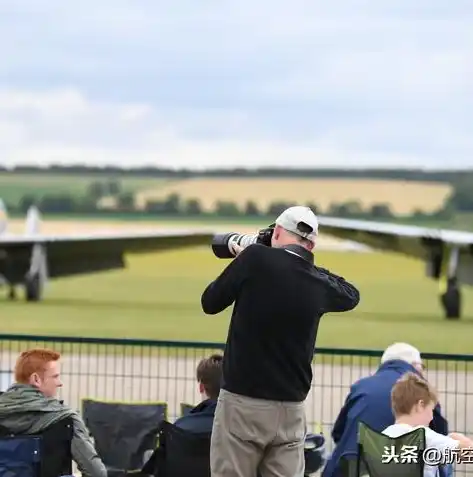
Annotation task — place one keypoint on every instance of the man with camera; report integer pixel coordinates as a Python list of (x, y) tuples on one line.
[(279, 296)]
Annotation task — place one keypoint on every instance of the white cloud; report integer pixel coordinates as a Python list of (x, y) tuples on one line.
[(299, 83), (66, 127), (390, 76)]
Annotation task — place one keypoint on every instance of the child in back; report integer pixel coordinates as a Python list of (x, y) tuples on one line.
[(413, 401)]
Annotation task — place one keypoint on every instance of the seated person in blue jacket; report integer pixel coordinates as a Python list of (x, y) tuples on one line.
[(209, 376), (201, 417), (369, 400)]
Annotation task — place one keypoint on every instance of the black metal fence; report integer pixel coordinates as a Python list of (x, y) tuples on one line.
[(140, 370)]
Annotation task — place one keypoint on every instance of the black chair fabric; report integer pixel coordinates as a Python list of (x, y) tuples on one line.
[(181, 453), (56, 449), (123, 432), (351, 466)]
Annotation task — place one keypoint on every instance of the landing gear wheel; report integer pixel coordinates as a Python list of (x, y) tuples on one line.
[(451, 300), (33, 288), (12, 293)]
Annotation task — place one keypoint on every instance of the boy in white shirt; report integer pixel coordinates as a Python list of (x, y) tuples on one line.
[(413, 401)]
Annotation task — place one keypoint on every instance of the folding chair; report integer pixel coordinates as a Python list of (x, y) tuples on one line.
[(350, 466), (123, 432), (181, 453), (186, 408), (44, 454), (396, 457)]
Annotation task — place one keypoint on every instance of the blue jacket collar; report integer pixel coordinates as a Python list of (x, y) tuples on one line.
[(397, 365), (207, 407)]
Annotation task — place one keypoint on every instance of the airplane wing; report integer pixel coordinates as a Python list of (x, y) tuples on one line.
[(414, 241), (77, 254)]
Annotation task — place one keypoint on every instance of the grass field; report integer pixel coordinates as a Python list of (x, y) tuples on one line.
[(402, 197), (14, 186), (158, 297)]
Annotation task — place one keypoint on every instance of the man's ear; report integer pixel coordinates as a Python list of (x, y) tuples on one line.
[(35, 379), (201, 388), (277, 232)]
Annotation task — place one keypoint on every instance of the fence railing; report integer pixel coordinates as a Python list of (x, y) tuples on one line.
[(141, 370)]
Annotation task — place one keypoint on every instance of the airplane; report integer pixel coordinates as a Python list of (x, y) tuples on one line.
[(448, 254), (31, 259)]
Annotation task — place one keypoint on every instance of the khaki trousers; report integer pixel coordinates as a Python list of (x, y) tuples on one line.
[(253, 437)]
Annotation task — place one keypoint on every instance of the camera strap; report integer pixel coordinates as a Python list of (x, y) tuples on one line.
[(300, 251)]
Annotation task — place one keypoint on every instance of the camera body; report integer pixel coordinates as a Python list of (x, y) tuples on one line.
[(222, 244)]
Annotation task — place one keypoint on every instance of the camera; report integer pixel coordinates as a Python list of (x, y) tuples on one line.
[(222, 244)]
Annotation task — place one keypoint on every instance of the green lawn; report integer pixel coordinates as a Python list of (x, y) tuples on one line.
[(158, 297)]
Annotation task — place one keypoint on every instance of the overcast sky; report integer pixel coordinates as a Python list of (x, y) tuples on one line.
[(219, 83)]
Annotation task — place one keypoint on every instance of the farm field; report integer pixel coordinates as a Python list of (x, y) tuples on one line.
[(158, 297), (402, 197), (14, 186)]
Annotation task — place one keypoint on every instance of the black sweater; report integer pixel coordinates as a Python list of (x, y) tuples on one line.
[(279, 299)]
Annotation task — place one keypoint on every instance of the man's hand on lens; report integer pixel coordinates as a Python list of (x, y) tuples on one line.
[(236, 249)]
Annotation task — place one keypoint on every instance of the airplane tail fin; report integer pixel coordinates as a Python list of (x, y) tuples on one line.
[(3, 217), (33, 221)]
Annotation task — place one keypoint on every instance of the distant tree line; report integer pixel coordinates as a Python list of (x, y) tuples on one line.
[(105, 183), (445, 176), (94, 201)]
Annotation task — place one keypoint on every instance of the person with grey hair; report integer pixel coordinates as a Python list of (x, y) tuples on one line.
[(404, 352), (369, 401)]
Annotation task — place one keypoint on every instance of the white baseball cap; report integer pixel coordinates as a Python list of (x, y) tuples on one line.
[(294, 218)]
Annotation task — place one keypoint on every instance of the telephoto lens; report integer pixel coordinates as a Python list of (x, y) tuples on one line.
[(222, 244)]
